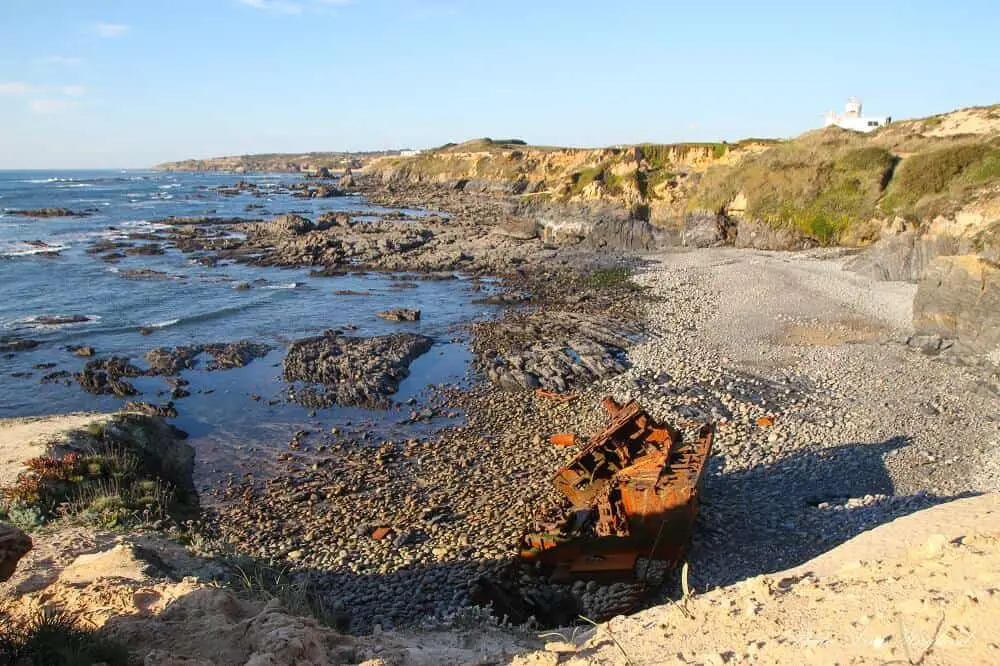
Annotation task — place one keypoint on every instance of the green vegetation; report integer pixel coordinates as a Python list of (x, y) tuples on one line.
[(53, 639), (115, 475), (611, 278), (254, 579), (927, 182), (822, 184), (613, 184)]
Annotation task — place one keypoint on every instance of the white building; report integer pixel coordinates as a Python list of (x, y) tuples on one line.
[(853, 119), (409, 153)]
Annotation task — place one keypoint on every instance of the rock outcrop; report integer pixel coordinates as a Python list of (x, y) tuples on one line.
[(343, 370), (959, 298), (14, 544)]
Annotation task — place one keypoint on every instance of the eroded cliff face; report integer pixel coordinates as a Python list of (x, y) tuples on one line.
[(628, 196)]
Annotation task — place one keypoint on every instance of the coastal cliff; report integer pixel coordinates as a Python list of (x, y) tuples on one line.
[(277, 162), (907, 195)]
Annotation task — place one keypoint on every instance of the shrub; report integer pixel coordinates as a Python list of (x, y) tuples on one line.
[(52, 639), (120, 477)]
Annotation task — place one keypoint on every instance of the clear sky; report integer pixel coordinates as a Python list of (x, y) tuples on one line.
[(128, 83)]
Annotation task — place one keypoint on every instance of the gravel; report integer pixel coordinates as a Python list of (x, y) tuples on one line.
[(828, 425)]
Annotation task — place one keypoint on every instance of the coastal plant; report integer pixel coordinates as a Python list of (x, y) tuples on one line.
[(297, 594), (52, 638), (111, 477)]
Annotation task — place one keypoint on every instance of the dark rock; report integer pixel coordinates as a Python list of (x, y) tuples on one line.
[(55, 377), (704, 229), (164, 411), (13, 345), (105, 376), (48, 212), (61, 320), (145, 251), (761, 236), (225, 356), (351, 371), (400, 314), (83, 351), (14, 544), (143, 274), (347, 181)]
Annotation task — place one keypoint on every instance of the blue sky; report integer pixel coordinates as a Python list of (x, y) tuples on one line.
[(128, 83)]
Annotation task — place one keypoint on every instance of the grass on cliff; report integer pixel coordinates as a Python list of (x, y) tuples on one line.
[(929, 182), (821, 184), (52, 638), (115, 475)]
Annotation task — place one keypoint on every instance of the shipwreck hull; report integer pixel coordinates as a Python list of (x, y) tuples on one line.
[(633, 494)]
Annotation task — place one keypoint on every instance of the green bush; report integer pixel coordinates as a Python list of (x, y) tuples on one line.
[(53, 639)]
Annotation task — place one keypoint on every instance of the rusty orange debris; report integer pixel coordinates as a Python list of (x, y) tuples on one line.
[(563, 439), (631, 492)]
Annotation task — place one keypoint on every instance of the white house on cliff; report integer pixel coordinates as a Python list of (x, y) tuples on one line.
[(853, 119)]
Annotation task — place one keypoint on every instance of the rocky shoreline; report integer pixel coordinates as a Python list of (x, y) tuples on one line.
[(781, 351)]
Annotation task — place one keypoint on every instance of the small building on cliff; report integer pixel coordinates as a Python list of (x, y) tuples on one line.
[(853, 119)]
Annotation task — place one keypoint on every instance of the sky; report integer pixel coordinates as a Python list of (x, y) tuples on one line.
[(131, 83)]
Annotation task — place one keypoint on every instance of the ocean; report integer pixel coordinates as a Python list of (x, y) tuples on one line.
[(233, 416)]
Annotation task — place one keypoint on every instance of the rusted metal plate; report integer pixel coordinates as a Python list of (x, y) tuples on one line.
[(633, 491)]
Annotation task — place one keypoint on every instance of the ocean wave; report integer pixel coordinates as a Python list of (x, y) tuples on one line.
[(290, 285), (49, 322), (29, 249), (165, 324)]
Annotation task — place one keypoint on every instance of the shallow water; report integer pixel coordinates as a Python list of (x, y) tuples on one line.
[(196, 305)]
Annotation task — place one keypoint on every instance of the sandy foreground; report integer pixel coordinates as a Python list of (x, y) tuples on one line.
[(786, 569)]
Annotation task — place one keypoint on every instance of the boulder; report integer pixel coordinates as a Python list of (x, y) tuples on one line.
[(14, 544), (903, 256), (959, 298), (518, 229), (400, 314), (761, 236), (347, 180), (705, 230)]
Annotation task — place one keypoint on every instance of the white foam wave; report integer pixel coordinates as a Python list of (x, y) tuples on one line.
[(27, 249), (38, 322), (164, 324), (290, 285)]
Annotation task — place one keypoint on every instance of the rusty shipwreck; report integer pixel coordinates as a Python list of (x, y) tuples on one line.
[(631, 494)]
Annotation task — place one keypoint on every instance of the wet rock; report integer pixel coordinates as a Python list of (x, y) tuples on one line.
[(143, 274), (105, 376), (55, 377), (48, 212), (400, 314), (83, 351), (145, 251), (15, 345), (225, 356), (351, 371), (165, 411), (60, 320)]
